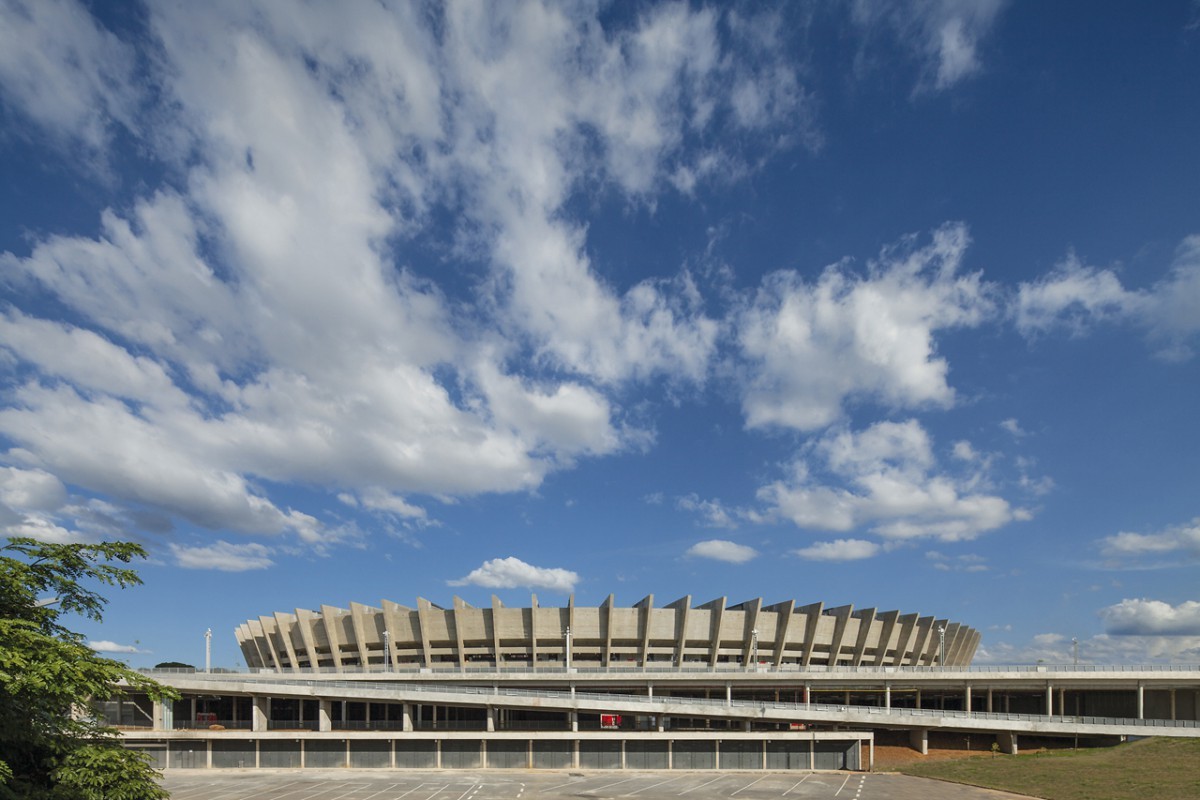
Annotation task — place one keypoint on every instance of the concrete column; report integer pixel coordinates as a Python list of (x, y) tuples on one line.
[(491, 719), (807, 694), (262, 712), (887, 696), (324, 715), (650, 690), (1172, 705), (847, 697), (1049, 700), (918, 738), (728, 694), (1141, 701), (157, 714), (1062, 702), (967, 699), (745, 726), (918, 698), (989, 699), (1007, 742), (662, 721), (574, 717), (406, 719), (575, 754)]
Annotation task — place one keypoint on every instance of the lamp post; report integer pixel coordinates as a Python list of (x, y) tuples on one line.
[(567, 637), (1075, 650), (208, 650), (941, 645), (754, 647), (387, 653)]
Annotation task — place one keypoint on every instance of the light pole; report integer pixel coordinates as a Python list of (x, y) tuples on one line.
[(387, 653), (208, 650), (567, 636), (1075, 650), (941, 645), (754, 647)]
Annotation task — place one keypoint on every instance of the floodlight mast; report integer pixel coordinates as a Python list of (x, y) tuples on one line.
[(208, 650)]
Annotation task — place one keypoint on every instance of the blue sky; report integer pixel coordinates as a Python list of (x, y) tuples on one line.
[(881, 303)]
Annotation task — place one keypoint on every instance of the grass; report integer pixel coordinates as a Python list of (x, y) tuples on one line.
[(1162, 769)]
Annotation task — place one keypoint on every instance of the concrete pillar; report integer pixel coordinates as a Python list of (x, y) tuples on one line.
[(745, 726), (807, 694), (406, 719), (1141, 701), (650, 690), (262, 712), (575, 754), (989, 699), (887, 696), (574, 717), (918, 698), (1172, 705), (491, 719), (728, 694), (1062, 702), (1007, 742), (1049, 700), (967, 699), (324, 715), (847, 697), (918, 738), (157, 714)]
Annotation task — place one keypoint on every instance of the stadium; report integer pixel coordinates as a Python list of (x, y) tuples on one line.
[(712, 686), (713, 634)]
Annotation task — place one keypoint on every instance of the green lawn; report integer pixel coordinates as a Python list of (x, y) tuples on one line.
[(1151, 769)]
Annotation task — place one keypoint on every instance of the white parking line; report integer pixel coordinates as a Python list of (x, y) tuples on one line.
[(747, 786), (618, 783), (843, 786), (799, 782), (701, 786), (660, 783)]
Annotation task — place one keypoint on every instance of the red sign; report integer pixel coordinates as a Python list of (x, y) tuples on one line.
[(610, 722)]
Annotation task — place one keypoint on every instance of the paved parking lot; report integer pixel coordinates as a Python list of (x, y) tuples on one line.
[(350, 785)]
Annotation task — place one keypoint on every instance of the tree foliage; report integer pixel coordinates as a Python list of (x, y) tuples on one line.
[(52, 746)]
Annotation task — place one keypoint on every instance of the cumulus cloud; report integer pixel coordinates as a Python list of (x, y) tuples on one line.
[(885, 477), (944, 34), (839, 550), (814, 347), (223, 556), (964, 562), (1141, 617), (257, 325), (513, 573), (66, 72), (1100, 650), (105, 646), (1077, 297), (722, 550), (1164, 548), (714, 513)]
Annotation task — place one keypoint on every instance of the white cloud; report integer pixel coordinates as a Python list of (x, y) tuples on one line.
[(105, 646), (722, 550), (1102, 650), (813, 348), (1077, 297), (839, 550), (1141, 617), (945, 34), (1013, 427), (512, 573), (885, 477), (965, 562), (261, 324), (1165, 548), (68, 74), (223, 556), (714, 513)]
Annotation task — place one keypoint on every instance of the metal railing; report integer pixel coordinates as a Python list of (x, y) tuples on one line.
[(798, 710), (684, 669)]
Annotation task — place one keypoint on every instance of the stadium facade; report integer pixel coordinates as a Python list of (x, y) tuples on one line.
[(678, 686), (712, 634)]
